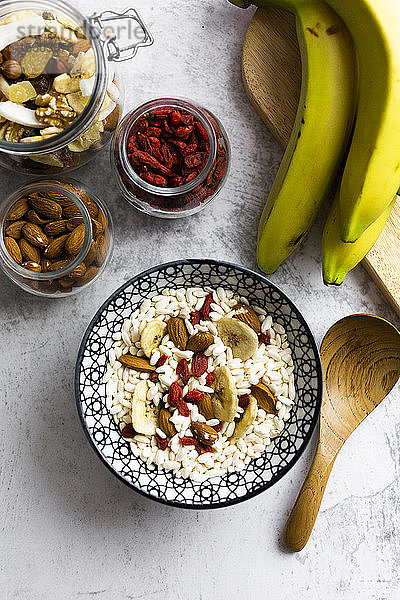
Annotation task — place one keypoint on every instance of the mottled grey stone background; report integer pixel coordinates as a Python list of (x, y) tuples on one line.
[(69, 529)]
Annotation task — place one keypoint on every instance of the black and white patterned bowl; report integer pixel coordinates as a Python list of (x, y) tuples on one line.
[(114, 451)]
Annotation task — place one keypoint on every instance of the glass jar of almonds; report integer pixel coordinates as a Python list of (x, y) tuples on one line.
[(55, 237), (60, 97)]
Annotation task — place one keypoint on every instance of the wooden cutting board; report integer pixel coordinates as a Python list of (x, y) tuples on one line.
[(272, 78)]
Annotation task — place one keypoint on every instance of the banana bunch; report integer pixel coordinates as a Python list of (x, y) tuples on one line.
[(348, 124)]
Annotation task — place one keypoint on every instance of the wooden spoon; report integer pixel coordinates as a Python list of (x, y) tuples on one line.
[(361, 363)]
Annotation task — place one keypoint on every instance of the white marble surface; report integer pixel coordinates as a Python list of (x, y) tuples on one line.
[(70, 530)]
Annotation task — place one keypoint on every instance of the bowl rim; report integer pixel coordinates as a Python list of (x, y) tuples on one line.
[(285, 469)]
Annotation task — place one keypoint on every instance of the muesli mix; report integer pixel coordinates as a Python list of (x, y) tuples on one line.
[(47, 75), (199, 382)]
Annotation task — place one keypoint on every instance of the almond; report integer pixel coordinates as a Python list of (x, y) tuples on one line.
[(56, 247), (74, 222), (49, 209), (137, 363), (15, 229), (90, 204), (265, 398), (203, 433), (29, 252), (247, 315), (70, 211), (205, 407), (75, 240), (102, 219), (177, 332), (59, 264), (13, 249), (97, 228), (46, 265), (90, 274), (79, 271), (31, 265), (18, 210), (165, 424), (35, 235), (199, 342), (92, 254), (33, 217), (102, 249), (56, 227)]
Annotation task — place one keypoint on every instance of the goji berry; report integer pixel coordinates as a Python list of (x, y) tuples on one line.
[(189, 150), (195, 160), (218, 427), (174, 394), (154, 179), (162, 443), (182, 407), (264, 338), (210, 378), (146, 159), (175, 118), (195, 317), (161, 361), (199, 364), (153, 376), (142, 125), (162, 113), (128, 431), (194, 396), (153, 132), (187, 119), (205, 311), (244, 401), (191, 177), (182, 370), (184, 132), (188, 441)]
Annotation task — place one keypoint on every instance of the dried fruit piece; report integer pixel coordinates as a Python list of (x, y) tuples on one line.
[(128, 432), (35, 60), (241, 338), (136, 362), (195, 317), (161, 443), (264, 338), (225, 399), (21, 92), (210, 378), (174, 394), (188, 441), (203, 433), (199, 364), (182, 370), (183, 407), (35, 235), (13, 249), (151, 336), (194, 396), (245, 421), (205, 311), (200, 341), (177, 332), (205, 407), (247, 315), (265, 398), (165, 424), (144, 414)]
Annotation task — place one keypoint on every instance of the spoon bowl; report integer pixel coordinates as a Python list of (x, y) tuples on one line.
[(360, 357)]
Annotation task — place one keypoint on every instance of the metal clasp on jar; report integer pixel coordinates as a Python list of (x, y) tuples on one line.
[(112, 27)]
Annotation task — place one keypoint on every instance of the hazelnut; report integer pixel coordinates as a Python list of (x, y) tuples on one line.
[(11, 69)]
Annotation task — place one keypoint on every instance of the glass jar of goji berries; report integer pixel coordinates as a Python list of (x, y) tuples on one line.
[(60, 96), (170, 157)]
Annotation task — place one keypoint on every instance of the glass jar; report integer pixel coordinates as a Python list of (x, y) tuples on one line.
[(56, 237), (79, 98), (196, 187)]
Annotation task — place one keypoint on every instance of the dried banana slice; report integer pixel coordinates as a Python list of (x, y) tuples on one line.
[(151, 336), (241, 338), (16, 29), (144, 414), (246, 420), (225, 398)]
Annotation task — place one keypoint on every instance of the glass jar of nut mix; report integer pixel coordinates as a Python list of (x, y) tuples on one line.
[(55, 237), (60, 98)]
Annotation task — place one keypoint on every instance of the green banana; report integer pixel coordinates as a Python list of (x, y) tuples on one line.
[(338, 258), (321, 132), (372, 171)]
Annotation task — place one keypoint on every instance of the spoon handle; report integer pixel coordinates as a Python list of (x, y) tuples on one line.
[(305, 511)]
